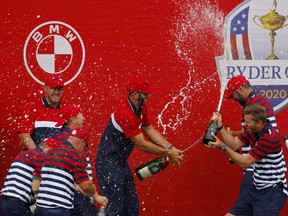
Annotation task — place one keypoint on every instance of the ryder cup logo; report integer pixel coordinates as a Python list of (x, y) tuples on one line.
[(55, 48), (256, 46)]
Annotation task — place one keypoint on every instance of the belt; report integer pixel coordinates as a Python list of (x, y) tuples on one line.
[(9, 198)]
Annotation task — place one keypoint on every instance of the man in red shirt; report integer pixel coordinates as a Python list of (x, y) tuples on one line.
[(127, 127), (38, 119)]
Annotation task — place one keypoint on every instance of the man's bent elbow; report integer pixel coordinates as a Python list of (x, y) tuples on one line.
[(88, 188)]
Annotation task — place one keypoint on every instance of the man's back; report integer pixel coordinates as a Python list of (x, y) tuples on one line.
[(62, 168)]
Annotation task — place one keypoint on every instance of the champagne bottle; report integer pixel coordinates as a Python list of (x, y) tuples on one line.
[(152, 167), (101, 211), (286, 140), (211, 130)]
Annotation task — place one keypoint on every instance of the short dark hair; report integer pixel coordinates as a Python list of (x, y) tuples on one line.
[(257, 111)]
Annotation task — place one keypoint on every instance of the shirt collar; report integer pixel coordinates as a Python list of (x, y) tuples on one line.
[(64, 128), (263, 131), (137, 112), (45, 102), (252, 94)]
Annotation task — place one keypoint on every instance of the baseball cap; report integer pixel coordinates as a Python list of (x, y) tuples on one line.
[(52, 143), (139, 84), (80, 133), (54, 80), (68, 112), (234, 83)]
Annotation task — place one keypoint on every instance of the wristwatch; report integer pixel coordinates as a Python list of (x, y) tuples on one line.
[(220, 128), (223, 148)]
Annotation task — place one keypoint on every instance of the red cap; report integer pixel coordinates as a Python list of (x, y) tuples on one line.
[(51, 142), (139, 84), (80, 133), (233, 84), (54, 80), (68, 112)]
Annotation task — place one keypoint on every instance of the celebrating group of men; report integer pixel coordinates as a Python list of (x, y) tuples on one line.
[(55, 164), (263, 189), (55, 171)]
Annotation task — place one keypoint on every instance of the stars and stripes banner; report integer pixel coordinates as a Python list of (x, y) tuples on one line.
[(239, 38), (248, 45)]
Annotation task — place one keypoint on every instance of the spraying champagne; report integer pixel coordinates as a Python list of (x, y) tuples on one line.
[(211, 131), (212, 128)]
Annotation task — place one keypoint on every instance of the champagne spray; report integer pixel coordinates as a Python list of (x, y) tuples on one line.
[(212, 128)]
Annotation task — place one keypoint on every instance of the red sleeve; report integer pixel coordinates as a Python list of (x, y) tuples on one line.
[(129, 122), (258, 150), (267, 144), (26, 119), (245, 137), (37, 170), (38, 166), (79, 171), (146, 117), (130, 125)]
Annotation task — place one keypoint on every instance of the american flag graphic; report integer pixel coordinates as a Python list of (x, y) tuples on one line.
[(239, 40)]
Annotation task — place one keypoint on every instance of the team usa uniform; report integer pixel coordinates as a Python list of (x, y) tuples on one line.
[(63, 167), (237, 88), (83, 206), (17, 194), (39, 120), (115, 178), (255, 98), (267, 195)]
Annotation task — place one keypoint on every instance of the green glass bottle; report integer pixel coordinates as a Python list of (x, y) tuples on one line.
[(286, 140), (101, 211), (152, 167), (211, 130)]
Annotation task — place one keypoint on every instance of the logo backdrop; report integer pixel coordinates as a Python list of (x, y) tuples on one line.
[(97, 46), (55, 48), (256, 47)]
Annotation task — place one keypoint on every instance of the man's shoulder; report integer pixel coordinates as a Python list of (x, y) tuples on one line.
[(257, 98), (255, 94), (30, 154), (124, 109), (65, 104), (32, 104), (63, 149)]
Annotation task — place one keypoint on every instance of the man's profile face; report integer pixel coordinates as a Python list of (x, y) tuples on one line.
[(142, 98), (79, 120), (237, 96), (250, 124)]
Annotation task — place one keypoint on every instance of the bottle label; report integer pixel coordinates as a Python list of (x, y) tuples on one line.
[(145, 172), (155, 169)]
